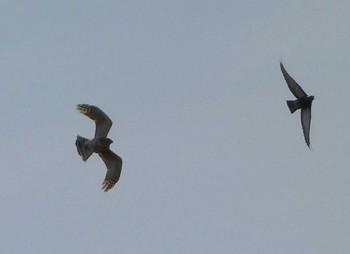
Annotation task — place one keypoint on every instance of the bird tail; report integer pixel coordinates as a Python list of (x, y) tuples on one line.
[(292, 105), (83, 148)]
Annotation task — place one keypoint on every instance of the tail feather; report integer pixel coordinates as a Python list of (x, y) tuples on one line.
[(83, 148), (292, 105)]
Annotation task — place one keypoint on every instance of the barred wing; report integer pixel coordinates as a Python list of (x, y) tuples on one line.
[(102, 121), (114, 167)]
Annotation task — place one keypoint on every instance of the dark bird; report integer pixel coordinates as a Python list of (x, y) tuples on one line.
[(100, 144), (302, 102)]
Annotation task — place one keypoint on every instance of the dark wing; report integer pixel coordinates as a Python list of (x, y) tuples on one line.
[(103, 122), (306, 123), (292, 84), (114, 167)]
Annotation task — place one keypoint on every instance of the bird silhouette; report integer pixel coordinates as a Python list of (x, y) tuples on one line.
[(303, 102), (100, 144)]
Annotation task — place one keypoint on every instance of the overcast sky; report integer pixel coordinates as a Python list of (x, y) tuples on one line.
[(213, 161)]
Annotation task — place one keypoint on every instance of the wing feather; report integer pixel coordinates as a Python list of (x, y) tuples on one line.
[(114, 167), (306, 123), (102, 121), (292, 84)]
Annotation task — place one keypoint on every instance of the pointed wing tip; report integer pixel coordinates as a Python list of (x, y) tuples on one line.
[(307, 142), (284, 72), (281, 65)]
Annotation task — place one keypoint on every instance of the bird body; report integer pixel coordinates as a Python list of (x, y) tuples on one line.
[(300, 103), (303, 102), (100, 144)]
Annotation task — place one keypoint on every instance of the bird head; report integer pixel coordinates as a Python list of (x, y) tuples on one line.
[(106, 141)]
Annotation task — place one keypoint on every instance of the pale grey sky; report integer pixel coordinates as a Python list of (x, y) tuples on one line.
[(213, 160)]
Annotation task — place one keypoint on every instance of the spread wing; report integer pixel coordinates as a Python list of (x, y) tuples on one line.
[(103, 122), (114, 167), (292, 84), (306, 123)]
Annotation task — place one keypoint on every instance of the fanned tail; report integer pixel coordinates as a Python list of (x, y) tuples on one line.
[(83, 148)]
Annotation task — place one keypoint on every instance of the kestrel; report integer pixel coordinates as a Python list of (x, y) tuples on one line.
[(302, 102), (100, 144)]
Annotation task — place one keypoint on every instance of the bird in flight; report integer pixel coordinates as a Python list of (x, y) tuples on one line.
[(303, 102), (100, 144)]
